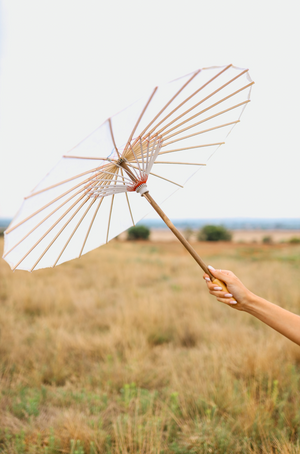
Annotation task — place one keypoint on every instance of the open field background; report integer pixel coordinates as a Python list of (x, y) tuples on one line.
[(238, 236), (124, 351)]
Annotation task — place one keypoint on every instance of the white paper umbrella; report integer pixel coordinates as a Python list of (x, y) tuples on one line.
[(154, 146)]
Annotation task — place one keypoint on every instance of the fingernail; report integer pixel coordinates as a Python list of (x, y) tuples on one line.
[(218, 288), (232, 302), (228, 295), (207, 279), (211, 267)]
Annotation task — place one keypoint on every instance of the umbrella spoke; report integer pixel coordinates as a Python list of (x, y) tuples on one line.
[(74, 231), (113, 137), (64, 181), (53, 201), (110, 212), (90, 226), (209, 118), (128, 204), (129, 207), (203, 100), (190, 148), (48, 231), (208, 108), (182, 163), (166, 179), (137, 123), (61, 230), (168, 103), (196, 133), (136, 160), (43, 220), (153, 154), (188, 98), (89, 157), (142, 153), (148, 145)]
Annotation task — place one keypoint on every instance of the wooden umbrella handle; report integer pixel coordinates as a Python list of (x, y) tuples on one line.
[(185, 243), (176, 232), (219, 283)]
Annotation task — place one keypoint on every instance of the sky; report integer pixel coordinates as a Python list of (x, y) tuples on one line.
[(67, 65)]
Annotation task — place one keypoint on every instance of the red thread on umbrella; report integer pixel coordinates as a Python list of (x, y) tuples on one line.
[(140, 181)]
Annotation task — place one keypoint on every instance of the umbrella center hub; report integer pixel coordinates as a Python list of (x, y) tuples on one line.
[(142, 189), (139, 185)]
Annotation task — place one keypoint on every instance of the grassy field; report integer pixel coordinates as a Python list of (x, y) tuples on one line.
[(124, 351)]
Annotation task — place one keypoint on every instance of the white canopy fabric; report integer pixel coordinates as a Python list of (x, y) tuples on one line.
[(164, 138)]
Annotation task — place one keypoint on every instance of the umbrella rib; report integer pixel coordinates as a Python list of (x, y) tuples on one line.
[(148, 145), (62, 182), (183, 163), (166, 179), (190, 97), (204, 110), (142, 153), (190, 148), (89, 157), (61, 230), (74, 231), (110, 211), (113, 174), (138, 121), (196, 133), (90, 226), (105, 179), (113, 137), (206, 119), (43, 220), (51, 202), (205, 99), (208, 108), (169, 102), (48, 231), (152, 153), (135, 158), (129, 207)]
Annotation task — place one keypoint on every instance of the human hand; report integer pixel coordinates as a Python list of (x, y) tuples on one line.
[(239, 295)]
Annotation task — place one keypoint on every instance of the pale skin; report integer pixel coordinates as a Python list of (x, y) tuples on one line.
[(242, 299)]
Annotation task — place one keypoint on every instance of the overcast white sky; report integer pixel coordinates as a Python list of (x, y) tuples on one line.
[(67, 65)]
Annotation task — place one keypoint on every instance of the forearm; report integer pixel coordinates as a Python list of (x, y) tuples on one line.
[(283, 321)]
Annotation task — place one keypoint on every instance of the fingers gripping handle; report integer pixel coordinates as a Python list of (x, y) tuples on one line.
[(222, 284)]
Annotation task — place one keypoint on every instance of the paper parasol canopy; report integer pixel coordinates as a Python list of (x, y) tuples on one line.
[(156, 145)]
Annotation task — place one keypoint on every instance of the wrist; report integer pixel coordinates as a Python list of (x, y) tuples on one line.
[(250, 302)]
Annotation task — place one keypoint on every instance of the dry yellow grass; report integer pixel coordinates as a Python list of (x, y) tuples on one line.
[(124, 351)]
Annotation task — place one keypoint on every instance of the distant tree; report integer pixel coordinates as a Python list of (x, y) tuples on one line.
[(267, 239), (214, 233), (294, 240), (138, 232)]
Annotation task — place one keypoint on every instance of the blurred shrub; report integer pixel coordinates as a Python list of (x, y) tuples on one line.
[(267, 239), (214, 233), (138, 232), (294, 240), (188, 233)]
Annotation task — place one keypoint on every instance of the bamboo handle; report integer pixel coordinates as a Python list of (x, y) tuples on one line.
[(176, 232), (222, 284)]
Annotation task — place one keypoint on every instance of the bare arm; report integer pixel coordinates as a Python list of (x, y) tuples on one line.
[(283, 321)]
